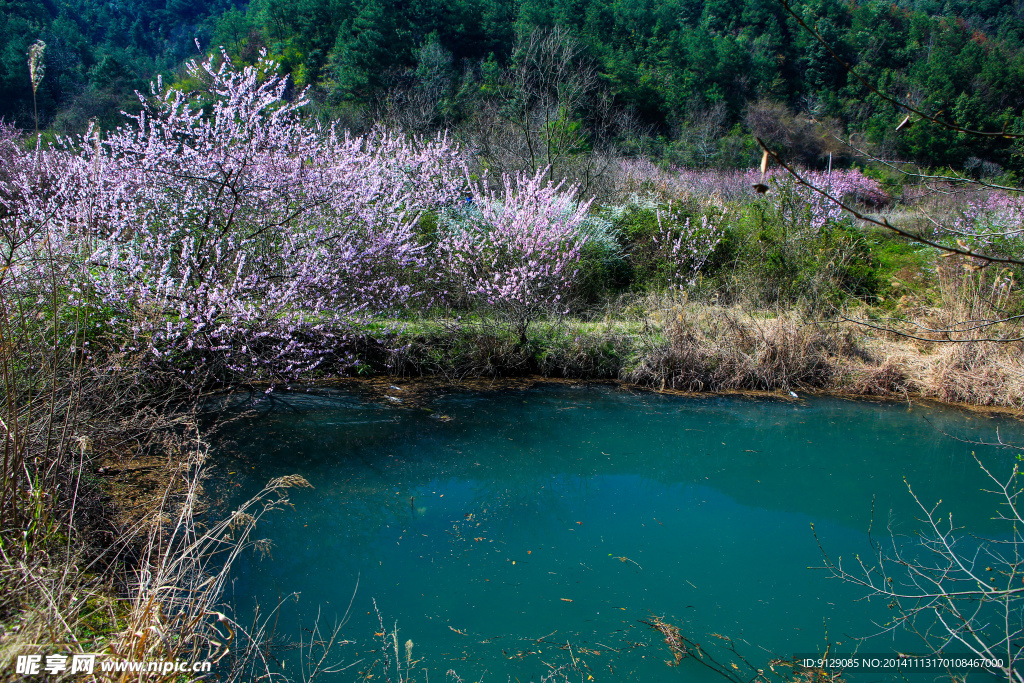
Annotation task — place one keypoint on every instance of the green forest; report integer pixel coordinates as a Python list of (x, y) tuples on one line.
[(689, 80)]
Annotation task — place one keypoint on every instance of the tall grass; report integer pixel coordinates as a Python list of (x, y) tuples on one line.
[(76, 574)]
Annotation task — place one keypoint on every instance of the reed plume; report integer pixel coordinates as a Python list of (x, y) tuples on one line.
[(36, 71)]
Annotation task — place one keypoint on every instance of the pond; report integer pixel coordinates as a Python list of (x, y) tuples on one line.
[(511, 532)]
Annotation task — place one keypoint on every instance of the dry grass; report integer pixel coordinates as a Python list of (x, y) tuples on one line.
[(154, 592), (979, 373), (711, 348), (174, 603), (696, 347)]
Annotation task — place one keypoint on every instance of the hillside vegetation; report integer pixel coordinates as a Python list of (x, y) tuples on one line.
[(694, 77)]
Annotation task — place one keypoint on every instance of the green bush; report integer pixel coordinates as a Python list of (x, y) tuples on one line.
[(640, 225), (770, 256)]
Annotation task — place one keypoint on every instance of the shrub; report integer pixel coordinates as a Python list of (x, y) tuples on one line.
[(514, 250)]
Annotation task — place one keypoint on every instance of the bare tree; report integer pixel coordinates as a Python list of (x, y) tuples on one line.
[(703, 129), (415, 101), (548, 83), (955, 591), (550, 111), (805, 138)]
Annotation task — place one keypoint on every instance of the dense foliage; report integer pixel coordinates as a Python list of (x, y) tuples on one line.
[(704, 73)]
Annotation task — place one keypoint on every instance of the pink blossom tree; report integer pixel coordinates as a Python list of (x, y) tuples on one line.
[(220, 230), (686, 245), (514, 250), (45, 198)]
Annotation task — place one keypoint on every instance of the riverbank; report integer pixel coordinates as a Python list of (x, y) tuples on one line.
[(693, 347), (417, 391)]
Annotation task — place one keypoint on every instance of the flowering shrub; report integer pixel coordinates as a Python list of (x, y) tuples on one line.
[(515, 249), (806, 207), (987, 217), (803, 210), (666, 242), (686, 246), (848, 184), (228, 231)]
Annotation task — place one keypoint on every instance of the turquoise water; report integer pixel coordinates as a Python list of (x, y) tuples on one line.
[(508, 532)]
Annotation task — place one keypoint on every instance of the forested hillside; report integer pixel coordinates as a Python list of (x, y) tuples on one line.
[(709, 71)]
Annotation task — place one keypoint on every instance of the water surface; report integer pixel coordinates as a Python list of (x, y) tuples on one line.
[(509, 531)]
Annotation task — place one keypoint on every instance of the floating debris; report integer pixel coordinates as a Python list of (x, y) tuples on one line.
[(626, 559)]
